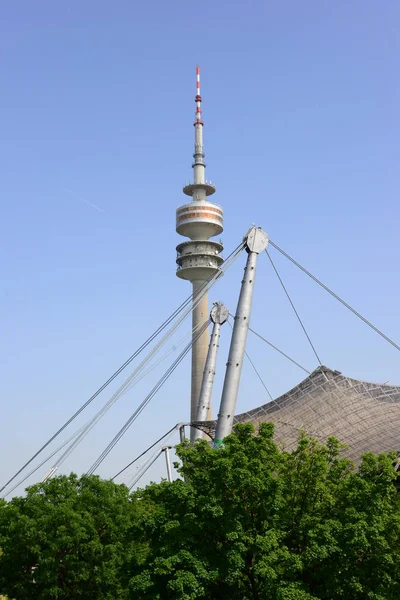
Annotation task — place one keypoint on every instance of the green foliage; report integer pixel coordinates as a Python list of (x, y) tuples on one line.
[(65, 539), (248, 522), (255, 522)]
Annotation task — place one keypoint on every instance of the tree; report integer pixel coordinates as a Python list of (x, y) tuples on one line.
[(257, 523), (250, 522), (66, 539)]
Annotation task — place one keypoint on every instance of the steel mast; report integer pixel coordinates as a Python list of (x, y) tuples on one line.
[(219, 315), (256, 240), (166, 450)]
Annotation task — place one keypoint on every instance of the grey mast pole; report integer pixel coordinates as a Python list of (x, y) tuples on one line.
[(219, 315), (256, 240), (166, 450)]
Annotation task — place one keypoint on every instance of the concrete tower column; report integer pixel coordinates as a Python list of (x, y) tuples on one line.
[(200, 348)]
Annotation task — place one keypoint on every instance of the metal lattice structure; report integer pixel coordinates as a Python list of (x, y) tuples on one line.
[(365, 416)]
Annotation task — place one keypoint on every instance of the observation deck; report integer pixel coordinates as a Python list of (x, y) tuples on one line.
[(198, 260), (199, 220)]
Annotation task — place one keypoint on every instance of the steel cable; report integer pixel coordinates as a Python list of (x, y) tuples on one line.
[(143, 453), (254, 367), (325, 287), (21, 481), (127, 383), (142, 469), (146, 401), (293, 306), (280, 351), (86, 426), (147, 466), (100, 389), (229, 260)]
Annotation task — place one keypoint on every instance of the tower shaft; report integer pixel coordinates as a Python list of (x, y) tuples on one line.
[(199, 349)]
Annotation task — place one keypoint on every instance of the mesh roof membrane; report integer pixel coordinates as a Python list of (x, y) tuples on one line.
[(365, 416)]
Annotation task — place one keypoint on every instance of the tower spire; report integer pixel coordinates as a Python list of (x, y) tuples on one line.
[(198, 165), (198, 98)]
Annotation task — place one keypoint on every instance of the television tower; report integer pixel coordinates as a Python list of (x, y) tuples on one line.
[(199, 258)]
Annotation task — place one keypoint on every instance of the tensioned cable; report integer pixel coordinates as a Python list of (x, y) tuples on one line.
[(325, 287), (88, 425), (151, 461), (21, 481), (254, 367), (280, 351), (293, 306), (229, 260), (196, 300), (101, 388), (41, 464), (146, 401), (275, 347), (258, 375), (128, 383), (141, 407), (141, 469), (143, 453), (163, 358), (96, 418)]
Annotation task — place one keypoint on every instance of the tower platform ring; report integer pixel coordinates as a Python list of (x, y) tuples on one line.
[(199, 261), (199, 220), (199, 228), (191, 187), (197, 273), (217, 246)]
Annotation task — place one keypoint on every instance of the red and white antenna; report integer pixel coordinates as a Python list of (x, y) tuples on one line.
[(198, 98)]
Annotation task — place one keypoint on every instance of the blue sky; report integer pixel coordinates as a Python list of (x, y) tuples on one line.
[(301, 135)]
